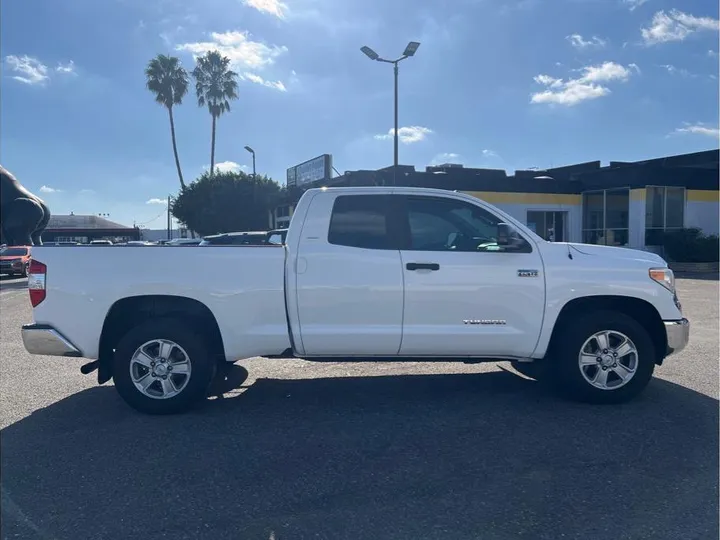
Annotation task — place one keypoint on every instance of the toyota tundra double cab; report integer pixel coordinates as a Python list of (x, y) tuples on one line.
[(370, 273)]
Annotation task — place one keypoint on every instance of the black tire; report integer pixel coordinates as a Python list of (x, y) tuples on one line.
[(25, 270), (568, 378), (202, 366)]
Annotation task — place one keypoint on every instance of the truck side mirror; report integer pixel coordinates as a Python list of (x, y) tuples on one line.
[(508, 238)]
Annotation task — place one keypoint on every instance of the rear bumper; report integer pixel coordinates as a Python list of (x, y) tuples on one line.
[(678, 335), (43, 339)]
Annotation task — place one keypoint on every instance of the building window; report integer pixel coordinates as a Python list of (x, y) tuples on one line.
[(606, 217), (664, 210), (548, 225)]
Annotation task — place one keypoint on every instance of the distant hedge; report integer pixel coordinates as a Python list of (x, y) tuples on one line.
[(691, 245)]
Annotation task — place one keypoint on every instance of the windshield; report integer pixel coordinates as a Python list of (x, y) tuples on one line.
[(13, 252)]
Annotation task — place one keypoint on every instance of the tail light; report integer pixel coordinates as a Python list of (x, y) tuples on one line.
[(36, 282)]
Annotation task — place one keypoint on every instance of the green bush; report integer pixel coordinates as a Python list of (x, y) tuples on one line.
[(690, 245)]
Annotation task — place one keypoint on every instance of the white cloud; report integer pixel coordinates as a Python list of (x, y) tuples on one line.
[(273, 7), (489, 153), (66, 69), (227, 166), (30, 70), (580, 43), (445, 157), (634, 4), (48, 189), (585, 87), (257, 79), (156, 201), (242, 51), (675, 26), (407, 135), (712, 54), (699, 129), (672, 70)]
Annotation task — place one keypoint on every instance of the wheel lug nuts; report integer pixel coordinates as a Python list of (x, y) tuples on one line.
[(615, 354), (153, 374), (169, 368), (599, 359), (615, 364), (604, 368), (605, 351), (164, 376), (152, 364)]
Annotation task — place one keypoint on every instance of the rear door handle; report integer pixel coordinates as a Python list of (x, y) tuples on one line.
[(422, 266)]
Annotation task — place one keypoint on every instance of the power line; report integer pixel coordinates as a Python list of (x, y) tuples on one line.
[(151, 220)]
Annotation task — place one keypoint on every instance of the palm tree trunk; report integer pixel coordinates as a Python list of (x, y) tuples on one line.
[(177, 159), (212, 149)]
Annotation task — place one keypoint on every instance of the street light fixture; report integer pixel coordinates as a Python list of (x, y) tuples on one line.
[(410, 50)]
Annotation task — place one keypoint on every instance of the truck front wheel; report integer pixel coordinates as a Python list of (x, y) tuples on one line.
[(603, 357), (162, 367)]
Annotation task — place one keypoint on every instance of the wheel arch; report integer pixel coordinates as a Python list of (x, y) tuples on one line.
[(129, 312), (640, 310)]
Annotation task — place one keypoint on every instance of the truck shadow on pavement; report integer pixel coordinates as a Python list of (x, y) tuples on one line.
[(487, 455)]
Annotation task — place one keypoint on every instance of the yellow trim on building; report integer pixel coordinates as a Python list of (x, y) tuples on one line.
[(500, 197), (637, 194), (703, 195)]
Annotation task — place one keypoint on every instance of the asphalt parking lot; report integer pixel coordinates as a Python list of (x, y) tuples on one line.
[(367, 451)]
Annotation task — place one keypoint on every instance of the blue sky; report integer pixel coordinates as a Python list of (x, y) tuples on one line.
[(496, 83)]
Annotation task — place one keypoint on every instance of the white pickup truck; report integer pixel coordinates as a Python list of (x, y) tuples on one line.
[(365, 274)]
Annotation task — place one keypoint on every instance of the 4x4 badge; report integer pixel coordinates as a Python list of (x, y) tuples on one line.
[(527, 273)]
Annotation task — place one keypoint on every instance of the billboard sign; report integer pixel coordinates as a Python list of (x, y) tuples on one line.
[(313, 170)]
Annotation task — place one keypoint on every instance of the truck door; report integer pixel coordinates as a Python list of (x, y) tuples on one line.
[(349, 278), (464, 294)]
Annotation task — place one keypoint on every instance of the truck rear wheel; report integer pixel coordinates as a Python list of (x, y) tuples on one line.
[(162, 366), (603, 357)]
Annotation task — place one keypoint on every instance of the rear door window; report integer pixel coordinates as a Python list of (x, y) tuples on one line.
[(360, 221)]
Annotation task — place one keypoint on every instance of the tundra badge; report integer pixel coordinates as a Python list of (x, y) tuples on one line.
[(527, 273)]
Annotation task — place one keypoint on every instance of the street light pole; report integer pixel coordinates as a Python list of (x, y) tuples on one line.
[(410, 50), (254, 181), (395, 139)]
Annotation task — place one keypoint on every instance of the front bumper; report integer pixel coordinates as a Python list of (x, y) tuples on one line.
[(678, 335), (43, 339), (11, 268)]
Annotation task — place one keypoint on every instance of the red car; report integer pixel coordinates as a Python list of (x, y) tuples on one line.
[(15, 260)]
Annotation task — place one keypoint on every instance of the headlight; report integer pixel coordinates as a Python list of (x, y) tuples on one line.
[(664, 276)]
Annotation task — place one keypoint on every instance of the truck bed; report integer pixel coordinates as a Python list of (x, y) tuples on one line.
[(83, 283)]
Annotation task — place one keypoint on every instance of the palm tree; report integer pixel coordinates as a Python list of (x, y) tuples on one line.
[(215, 85), (168, 80)]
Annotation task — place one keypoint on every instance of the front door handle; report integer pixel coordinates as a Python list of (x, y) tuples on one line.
[(423, 266)]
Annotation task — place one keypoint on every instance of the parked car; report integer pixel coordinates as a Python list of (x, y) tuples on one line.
[(14, 260), (101, 243), (366, 273), (247, 238), (184, 242)]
